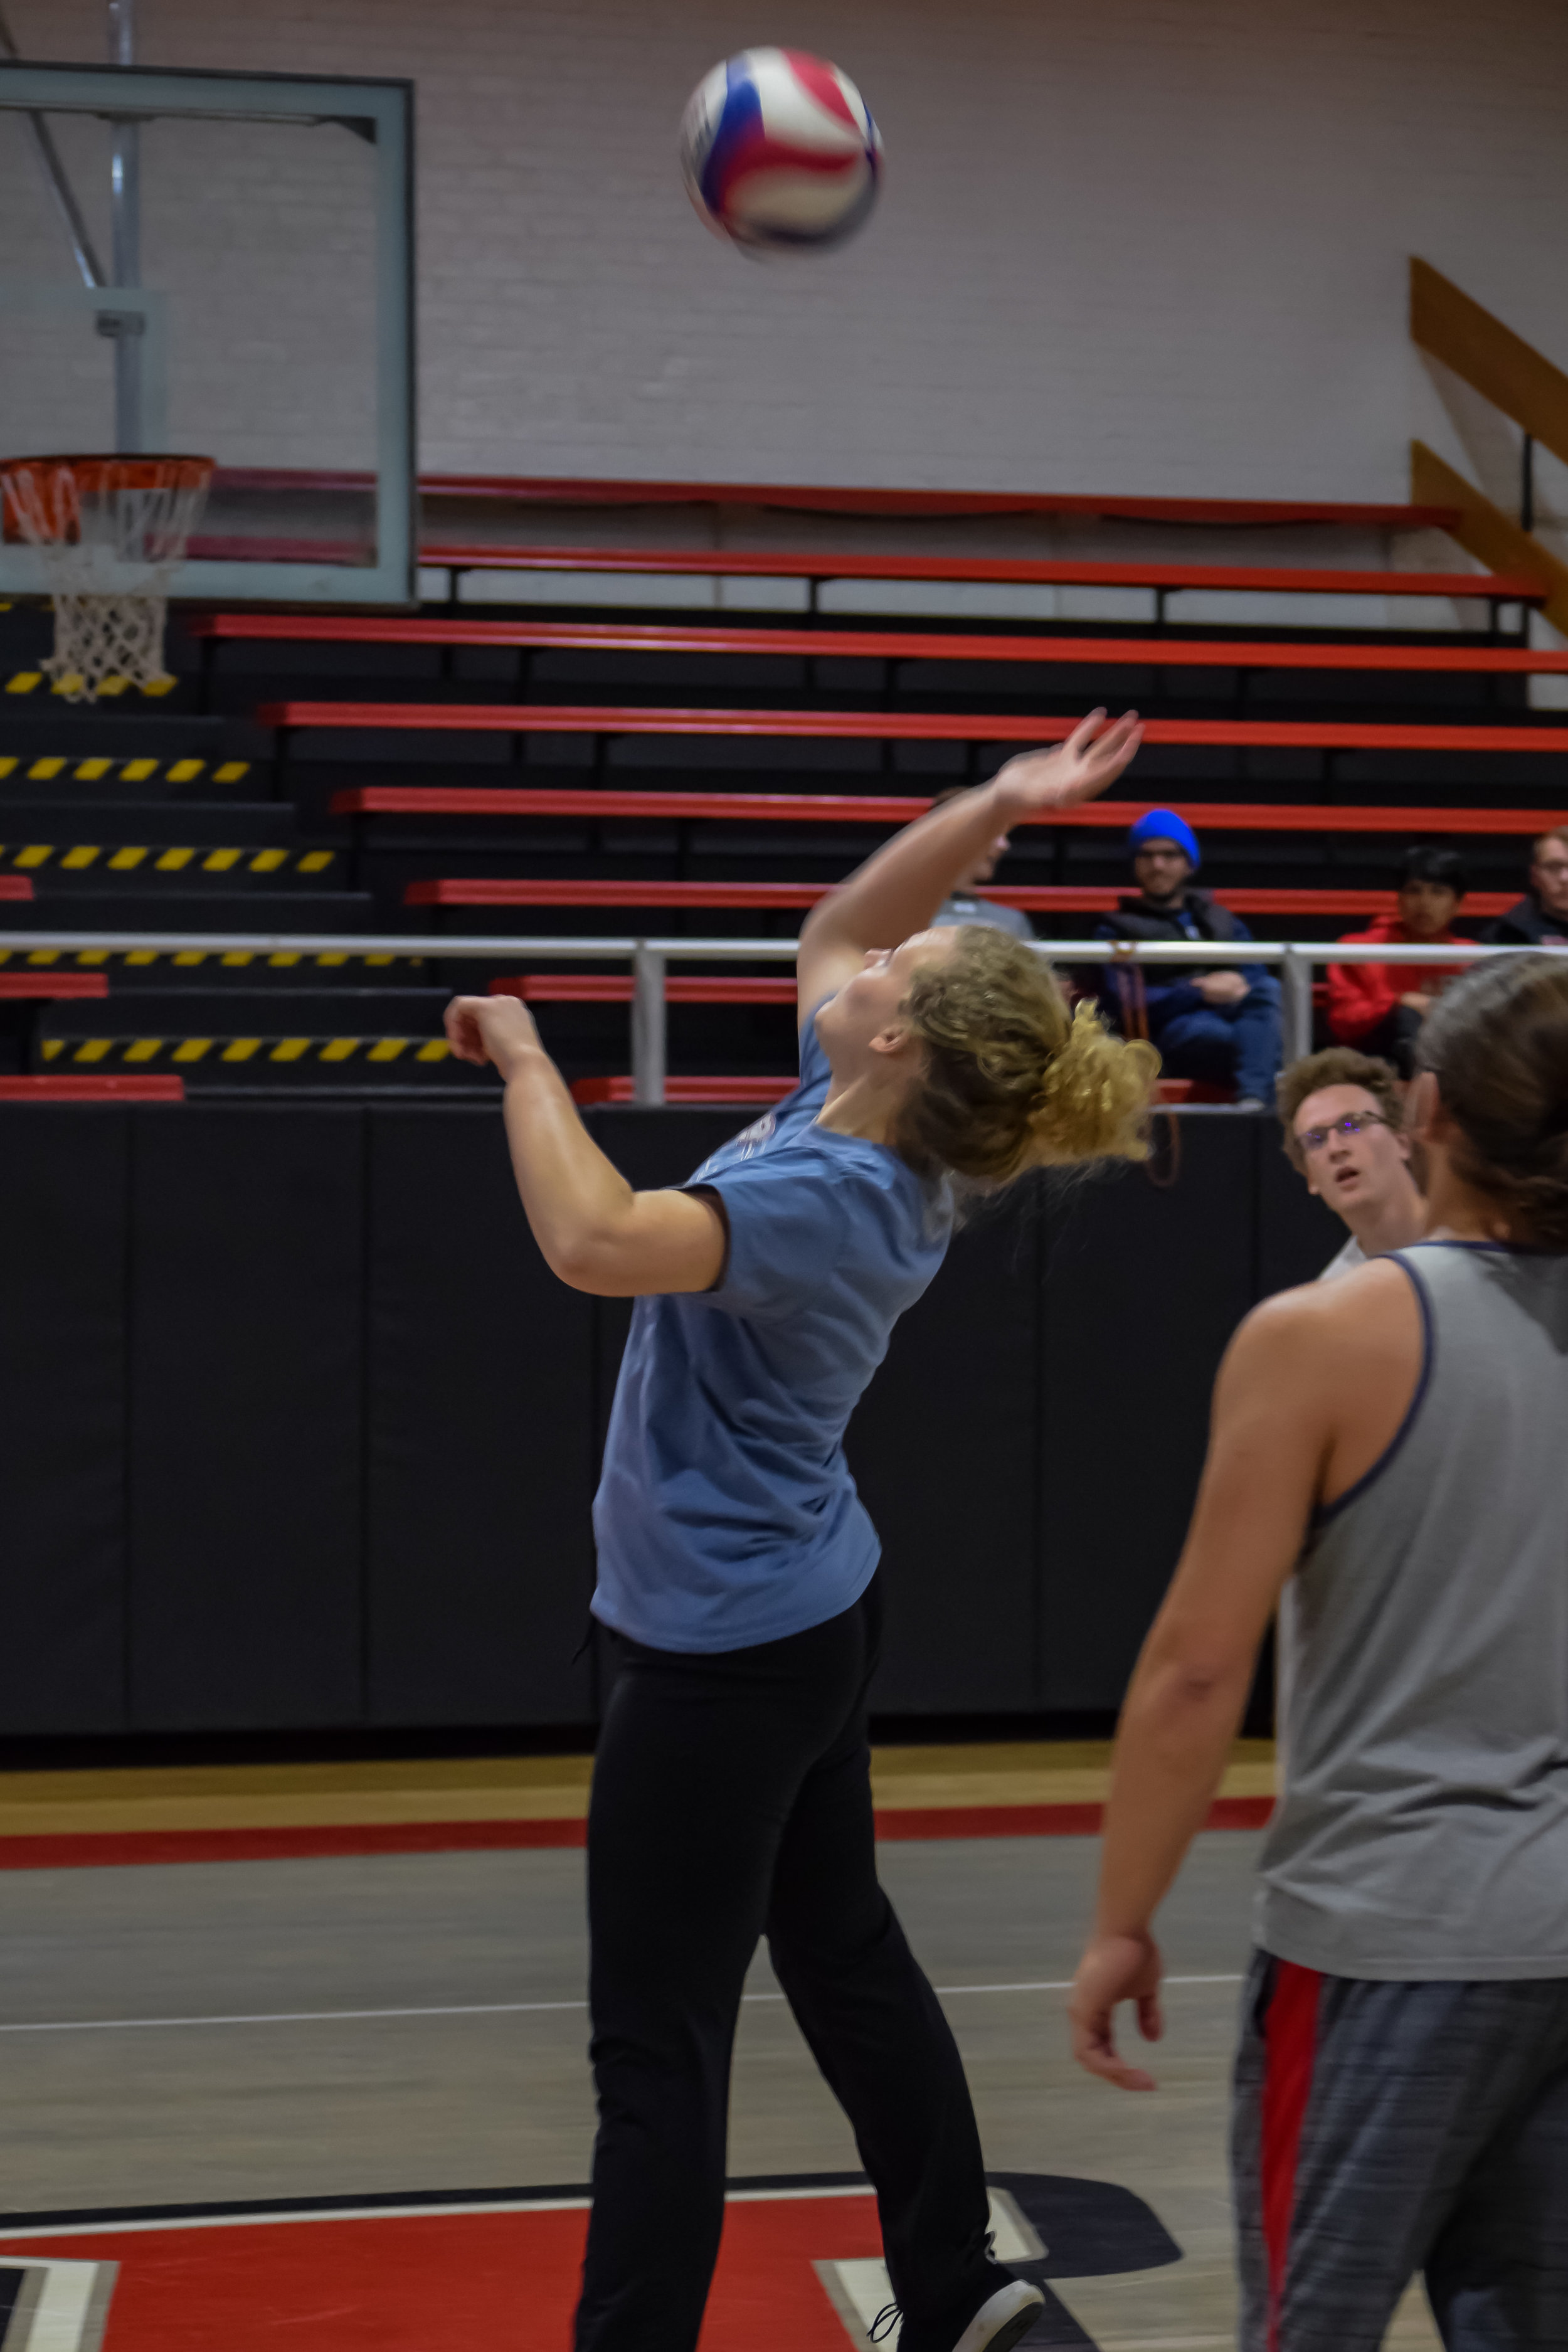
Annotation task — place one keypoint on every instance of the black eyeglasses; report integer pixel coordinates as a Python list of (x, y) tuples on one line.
[(1312, 1138)]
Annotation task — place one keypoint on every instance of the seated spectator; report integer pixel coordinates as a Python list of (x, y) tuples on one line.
[(1220, 1025), (1343, 1116), (962, 906), (1381, 1007), (1540, 918)]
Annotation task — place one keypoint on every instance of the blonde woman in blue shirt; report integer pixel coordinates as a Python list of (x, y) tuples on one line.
[(737, 1565)]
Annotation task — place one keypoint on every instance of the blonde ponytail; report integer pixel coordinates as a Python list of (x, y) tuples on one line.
[(1014, 1079)]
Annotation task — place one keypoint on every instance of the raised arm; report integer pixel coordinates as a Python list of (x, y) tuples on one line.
[(595, 1233), (898, 891)]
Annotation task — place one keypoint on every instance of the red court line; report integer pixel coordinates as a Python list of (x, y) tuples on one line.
[(99, 1849), (892, 726), (16, 886)]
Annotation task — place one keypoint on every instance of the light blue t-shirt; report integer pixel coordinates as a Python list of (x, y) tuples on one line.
[(726, 1514)]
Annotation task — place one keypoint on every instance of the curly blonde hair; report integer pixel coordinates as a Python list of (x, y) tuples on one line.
[(1014, 1078)]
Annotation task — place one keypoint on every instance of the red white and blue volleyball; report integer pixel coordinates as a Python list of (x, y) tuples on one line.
[(780, 153)]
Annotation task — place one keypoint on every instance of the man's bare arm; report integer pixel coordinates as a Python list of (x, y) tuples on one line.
[(1272, 1433)]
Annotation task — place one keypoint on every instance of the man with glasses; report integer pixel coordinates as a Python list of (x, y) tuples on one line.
[(1539, 919), (1344, 1121)]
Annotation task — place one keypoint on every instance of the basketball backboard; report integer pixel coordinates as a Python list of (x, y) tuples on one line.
[(258, 311)]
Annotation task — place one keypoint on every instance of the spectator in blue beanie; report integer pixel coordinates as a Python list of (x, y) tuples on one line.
[(1221, 1025)]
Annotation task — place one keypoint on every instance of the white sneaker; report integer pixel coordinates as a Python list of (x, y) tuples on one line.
[(1002, 2319)]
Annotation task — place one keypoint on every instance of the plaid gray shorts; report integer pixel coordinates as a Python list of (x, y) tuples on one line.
[(1379, 2130)]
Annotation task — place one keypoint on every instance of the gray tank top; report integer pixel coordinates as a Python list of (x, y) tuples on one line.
[(1423, 1828)]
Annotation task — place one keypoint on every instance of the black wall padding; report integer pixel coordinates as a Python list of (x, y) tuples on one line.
[(944, 1448), (1142, 1288), (62, 1418), (297, 1432), (482, 1446), (246, 1310)]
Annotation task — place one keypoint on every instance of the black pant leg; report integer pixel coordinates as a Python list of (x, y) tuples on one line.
[(699, 1764), (880, 2036)]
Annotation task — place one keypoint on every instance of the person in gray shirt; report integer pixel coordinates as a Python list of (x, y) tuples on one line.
[(1390, 1447), (962, 905)]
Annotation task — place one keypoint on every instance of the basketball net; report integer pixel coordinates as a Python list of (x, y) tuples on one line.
[(112, 532)]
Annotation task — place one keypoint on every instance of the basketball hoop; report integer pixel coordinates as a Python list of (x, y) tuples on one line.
[(112, 532)]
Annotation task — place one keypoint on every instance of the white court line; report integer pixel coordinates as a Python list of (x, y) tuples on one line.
[(471, 2008)]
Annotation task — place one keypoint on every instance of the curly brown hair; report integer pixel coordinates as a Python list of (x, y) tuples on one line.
[(1497, 1043), (1336, 1065), (1014, 1078)]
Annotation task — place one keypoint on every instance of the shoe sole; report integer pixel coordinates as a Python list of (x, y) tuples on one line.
[(1013, 2331)]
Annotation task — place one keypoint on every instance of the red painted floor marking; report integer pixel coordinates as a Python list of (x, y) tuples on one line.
[(98, 1849), (446, 2283)]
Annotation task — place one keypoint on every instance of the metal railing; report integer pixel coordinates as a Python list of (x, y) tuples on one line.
[(650, 957)]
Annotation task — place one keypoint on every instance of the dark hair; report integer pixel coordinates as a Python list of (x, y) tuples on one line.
[(1336, 1065), (1497, 1043), (1423, 863)]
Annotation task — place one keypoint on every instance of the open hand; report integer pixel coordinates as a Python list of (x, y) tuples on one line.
[(498, 1029), (1092, 758), (1115, 1968)]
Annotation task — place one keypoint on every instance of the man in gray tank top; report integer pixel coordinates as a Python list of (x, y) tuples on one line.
[(1394, 1446)]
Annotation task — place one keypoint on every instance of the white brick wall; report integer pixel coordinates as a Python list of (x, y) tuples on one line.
[(1134, 245)]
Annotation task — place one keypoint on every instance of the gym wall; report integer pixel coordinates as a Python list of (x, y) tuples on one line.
[(1124, 248), (297, 1432)]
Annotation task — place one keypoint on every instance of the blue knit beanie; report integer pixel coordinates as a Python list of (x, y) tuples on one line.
[(1164, 824)]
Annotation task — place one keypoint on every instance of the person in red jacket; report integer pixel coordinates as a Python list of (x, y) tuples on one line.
[(1379, 1006)]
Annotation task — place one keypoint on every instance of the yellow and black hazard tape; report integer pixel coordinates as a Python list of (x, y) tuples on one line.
[(27, 681), (32, 856), (140, 1053), (50, 765), (189, 959)]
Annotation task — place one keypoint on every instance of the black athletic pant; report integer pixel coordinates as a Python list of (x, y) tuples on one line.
[(731, 1798)]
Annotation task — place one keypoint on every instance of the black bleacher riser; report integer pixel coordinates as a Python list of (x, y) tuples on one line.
[(199, 1007), (326, 911)]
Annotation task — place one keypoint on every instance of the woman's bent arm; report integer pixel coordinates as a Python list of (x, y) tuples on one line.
[(595, 1231)]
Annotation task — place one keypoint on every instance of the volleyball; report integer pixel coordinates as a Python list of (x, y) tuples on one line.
[(780, 153)]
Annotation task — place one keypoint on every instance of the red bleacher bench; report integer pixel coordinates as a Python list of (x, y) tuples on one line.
[(45, 986), (588, 1092), (1514, 588), (839, 497), (1043, 897), (618, 988), (891, 808), (16, 886), (87, 1089), (885, 645), (892, 726)]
